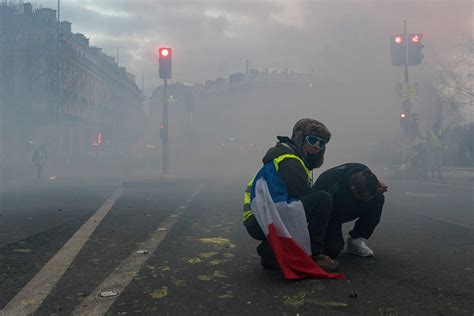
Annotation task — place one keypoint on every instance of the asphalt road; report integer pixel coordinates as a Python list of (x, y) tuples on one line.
[(57, 255)]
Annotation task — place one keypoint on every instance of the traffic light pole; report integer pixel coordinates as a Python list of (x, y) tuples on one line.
[(406, 44), (164, 138)]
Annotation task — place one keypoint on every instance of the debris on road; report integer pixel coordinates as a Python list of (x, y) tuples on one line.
[(22, 250), (108, 294)]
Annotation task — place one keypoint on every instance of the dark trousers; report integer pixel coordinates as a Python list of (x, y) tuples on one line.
[(317, 206), (367, 215)]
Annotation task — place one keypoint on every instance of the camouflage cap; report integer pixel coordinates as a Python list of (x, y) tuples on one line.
[(307, 126)]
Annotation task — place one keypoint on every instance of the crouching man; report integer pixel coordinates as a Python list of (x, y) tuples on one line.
[(284, 213), (356, 194)]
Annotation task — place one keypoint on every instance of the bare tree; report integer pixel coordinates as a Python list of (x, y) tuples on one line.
[(456, 79)]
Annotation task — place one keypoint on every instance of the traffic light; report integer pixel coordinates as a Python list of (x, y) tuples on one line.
[(164, 58), (164, 132), (404, 119), (406, 49), (414, 49), (399, 50)]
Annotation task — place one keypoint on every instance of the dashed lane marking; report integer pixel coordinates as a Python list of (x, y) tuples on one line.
[(447, 221), (459, 185), (128, 269), (426, 195), (29, 299)]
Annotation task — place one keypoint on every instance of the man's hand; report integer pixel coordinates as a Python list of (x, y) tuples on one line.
[(383, 187)]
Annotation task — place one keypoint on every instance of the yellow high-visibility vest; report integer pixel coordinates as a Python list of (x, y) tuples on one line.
[(247, 209)]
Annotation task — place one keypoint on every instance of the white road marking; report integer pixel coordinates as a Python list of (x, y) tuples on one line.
[(127, 270), (452, 185), (27, 301), (426, 195), (448, 221)]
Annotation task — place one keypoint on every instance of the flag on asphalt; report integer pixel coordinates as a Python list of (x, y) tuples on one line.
[(283, 220)]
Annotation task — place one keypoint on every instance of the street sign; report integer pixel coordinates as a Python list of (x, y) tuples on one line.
[(407, 90)]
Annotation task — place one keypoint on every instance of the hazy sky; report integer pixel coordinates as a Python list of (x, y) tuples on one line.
[(214, 38)]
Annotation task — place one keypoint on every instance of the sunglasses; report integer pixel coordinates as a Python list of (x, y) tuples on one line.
[(316, 141)]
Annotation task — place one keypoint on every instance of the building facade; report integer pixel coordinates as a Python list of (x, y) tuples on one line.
[(56, 89)]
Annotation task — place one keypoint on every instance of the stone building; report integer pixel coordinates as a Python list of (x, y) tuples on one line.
[(58, 90)]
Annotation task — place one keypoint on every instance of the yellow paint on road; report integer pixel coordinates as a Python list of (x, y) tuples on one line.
[(218, 241), (179, 282), (207, 255), (159, 294), (219, 274), (210, 277), (194, 260), (164, 268), (205, 277), (217, 262)]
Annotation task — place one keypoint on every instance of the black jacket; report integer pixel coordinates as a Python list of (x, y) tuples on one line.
[(337, 182), (290, 170)]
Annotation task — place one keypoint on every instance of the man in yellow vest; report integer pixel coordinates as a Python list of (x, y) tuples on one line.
[(274, 202)]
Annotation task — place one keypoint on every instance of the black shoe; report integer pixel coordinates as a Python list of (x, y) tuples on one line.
[(269, 264)]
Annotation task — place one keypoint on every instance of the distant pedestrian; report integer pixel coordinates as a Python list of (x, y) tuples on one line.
[(356, 194), (39, 159), (436, 148)]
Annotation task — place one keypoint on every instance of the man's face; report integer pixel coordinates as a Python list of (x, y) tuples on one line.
[(313, 144), (307, 148)]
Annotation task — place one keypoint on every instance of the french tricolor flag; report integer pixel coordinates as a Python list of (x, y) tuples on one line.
[(283, 221)]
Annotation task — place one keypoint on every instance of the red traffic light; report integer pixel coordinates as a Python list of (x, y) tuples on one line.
[(402, 115), (164, 52), (162, 125), (416, 38), (398, 39)]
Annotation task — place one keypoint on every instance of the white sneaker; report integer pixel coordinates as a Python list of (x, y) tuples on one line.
[(358, 247)]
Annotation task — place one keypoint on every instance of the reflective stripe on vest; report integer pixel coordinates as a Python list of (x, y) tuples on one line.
[(279, 159), (247, 209)]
